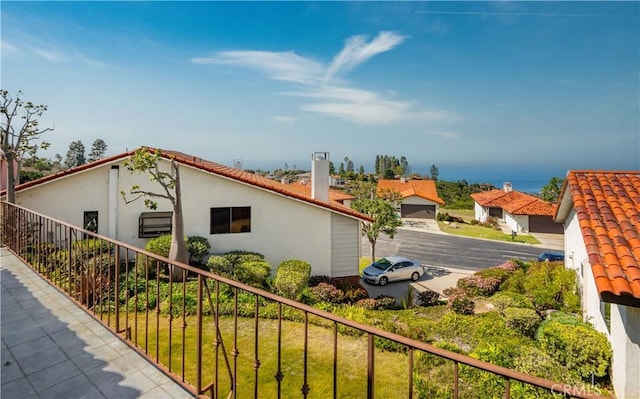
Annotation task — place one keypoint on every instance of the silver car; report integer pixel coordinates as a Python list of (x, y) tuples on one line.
[(392, 268)]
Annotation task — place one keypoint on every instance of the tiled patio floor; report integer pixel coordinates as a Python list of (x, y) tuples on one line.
[(53, 349)]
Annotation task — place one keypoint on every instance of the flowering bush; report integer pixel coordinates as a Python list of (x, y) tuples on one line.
[(324, 292), (459, 302), (369, 303), (477, 285), (428, 298)]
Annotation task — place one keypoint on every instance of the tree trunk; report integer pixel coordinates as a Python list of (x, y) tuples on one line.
[(372, 251), (178, 250), (11, 180)]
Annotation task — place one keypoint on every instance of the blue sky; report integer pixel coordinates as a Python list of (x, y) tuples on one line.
[(511, 86)]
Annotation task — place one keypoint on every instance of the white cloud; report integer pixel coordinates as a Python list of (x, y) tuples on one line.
[(356, 51), (323, 83), (286, 66), (8, 47), (48, 55), (365, 107)]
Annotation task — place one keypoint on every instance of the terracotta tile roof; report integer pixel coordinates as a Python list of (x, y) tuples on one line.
[(515, 202), (211, 167), (305, 188), (411, 187), (607, 205)]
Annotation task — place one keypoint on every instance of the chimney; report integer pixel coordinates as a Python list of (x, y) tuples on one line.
[(403, 180), (237, 164), (506, 186), (320, 176)]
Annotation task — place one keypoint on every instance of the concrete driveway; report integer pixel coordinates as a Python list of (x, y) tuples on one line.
[(447, 257), (436, 279)]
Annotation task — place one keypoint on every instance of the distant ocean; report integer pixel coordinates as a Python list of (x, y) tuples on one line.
[(527, 180)]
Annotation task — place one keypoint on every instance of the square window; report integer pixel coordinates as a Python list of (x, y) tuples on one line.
[(230, 220)]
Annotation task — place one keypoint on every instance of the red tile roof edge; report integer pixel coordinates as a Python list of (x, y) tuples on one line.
[(411, 190), (215, 168), (614, 260), (525, 204)]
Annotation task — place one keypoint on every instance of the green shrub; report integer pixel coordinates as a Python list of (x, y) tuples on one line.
[(576, 347), (524, 321), (307, 297), (198, 248), (549, 286), (386, 302), (254, 273), (473, 222), (292, 277), (219, 265), (507, 299), (534, 361), (237, 257), (159, 245)]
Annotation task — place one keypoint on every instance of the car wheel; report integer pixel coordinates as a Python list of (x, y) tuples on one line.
[(415, 276), (383, 281)]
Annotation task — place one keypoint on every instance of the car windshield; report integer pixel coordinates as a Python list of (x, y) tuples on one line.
[(382, 264)]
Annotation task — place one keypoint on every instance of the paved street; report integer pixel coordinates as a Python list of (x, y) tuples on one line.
[(450, 251), (448, 258)]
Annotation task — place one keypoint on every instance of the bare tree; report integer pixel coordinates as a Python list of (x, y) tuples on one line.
[(20, 129), (145, 161)]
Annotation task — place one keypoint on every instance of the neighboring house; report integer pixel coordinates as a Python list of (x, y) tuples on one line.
[(522, 212), (601, 214), (304, 187), (232, 208), (419, 197)]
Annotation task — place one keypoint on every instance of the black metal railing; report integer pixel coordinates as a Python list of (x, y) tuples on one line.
[(201, 344)]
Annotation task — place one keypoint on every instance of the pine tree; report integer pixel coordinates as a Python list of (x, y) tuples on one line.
[(98, 149), (75, 155)]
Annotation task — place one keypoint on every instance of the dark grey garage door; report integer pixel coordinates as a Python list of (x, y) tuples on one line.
[(418, 211), (544, 224)]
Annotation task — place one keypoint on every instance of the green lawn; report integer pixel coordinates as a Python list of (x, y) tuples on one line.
[(468, 230), (352, 358)]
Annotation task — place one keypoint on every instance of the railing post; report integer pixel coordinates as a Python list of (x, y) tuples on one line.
[(199, 338), (455, 380), (116, 280), (370, 366)]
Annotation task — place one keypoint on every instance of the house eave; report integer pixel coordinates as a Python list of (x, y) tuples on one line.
[(626, 300)]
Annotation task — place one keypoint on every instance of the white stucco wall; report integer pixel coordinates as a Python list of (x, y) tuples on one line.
[(67, 198), (624, 333), (625, 340), (281, 228), (480, 212), (345, 235), (517, 223)]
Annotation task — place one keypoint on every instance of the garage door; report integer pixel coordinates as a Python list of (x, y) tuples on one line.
[(418, 211), (544, 224)]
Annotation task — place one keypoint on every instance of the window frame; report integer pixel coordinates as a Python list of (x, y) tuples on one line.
[(234, 214), (153, 230)]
